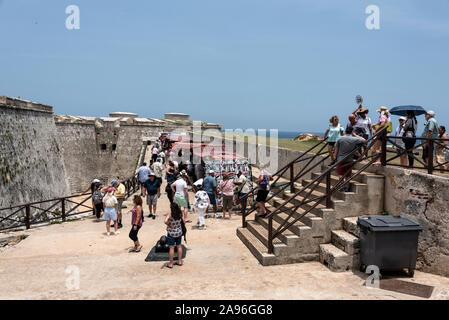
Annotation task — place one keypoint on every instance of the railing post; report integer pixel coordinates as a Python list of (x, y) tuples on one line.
[(328, 190), (430, 158), (292, 177), (27, 216), (384, 148), (270, 235), (63, 209), (244, 213)]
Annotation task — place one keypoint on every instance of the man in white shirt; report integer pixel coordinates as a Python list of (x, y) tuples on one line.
[(158, 169), (243, 190)]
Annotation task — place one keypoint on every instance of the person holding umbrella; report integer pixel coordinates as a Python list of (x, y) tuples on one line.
[(410, 127)]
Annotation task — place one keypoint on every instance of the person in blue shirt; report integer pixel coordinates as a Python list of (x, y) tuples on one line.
[(152, 188), (333, 133), (142, 175), (210, 186), (430, 132)]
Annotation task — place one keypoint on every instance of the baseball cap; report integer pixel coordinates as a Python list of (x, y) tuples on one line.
[(431, 113), (111, 189), (95, 181), (403, 118), (113, 182), (211, 171)]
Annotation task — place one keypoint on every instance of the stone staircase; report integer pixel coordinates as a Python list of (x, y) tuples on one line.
[(329, 235)]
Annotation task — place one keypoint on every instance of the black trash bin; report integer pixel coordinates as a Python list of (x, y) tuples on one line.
[(388, 242)]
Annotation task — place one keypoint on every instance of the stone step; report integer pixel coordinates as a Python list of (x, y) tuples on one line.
[(298, 228), (287, 238), (345, 241), (337, 260), (257, 248), (311, 220), (350, 226)]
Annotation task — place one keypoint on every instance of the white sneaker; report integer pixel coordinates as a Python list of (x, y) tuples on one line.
[(117, 232), (108, 233)]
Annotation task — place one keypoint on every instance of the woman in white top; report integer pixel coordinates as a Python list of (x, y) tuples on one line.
[(179, 187), (110, 204)]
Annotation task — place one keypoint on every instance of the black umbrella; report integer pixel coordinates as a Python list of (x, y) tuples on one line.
[(402, 110)]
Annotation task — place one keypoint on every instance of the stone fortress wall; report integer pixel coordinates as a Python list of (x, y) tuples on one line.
[(44, 156), (31, 163)]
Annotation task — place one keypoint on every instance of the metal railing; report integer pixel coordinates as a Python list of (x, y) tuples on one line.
[(306, 192), (293, 178), (431, 145)]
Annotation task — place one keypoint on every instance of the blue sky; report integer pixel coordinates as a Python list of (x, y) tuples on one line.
[(285, 64)]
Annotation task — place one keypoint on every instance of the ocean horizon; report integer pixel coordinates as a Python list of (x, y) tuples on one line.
[(291, 134)]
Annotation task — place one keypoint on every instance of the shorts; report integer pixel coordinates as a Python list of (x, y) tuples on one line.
[(133, 233), (98, 209), (152, 199), (180, 199), (110, 214), (173, 242), (262, 195), (227, 203), (344, 169), (120, 204), (212, 199), (332, 144)]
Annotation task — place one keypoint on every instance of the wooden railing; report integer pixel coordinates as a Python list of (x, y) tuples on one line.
[(48, 211)]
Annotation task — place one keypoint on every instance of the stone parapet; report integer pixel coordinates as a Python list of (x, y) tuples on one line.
[(20, 104)]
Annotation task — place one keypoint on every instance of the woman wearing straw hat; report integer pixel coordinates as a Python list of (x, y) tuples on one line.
[(363, 126), (384, 121)]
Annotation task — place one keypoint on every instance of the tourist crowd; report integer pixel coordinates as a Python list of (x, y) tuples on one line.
[(179, 178)]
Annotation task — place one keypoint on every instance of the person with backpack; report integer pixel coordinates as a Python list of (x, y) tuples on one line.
[(264, 188), (97, 199), (136, 223), (171, 176), (174, 221), (409, 136)]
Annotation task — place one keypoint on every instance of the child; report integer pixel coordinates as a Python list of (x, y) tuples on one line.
[(200, 205)]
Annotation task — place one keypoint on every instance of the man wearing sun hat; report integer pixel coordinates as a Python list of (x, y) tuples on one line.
[(430, 132)]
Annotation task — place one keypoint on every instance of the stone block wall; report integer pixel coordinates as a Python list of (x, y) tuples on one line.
[(31, 164), (423, 198), (104, 148)]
